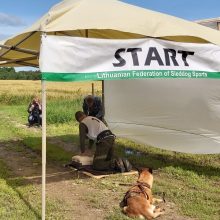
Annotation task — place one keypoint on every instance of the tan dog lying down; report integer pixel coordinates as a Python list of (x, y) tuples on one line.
[(84, 160), (138, 201)]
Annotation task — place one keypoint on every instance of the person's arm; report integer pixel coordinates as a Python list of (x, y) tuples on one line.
[(85, 107), (100, 113), (83, 130), (39, 105), (30, 107)]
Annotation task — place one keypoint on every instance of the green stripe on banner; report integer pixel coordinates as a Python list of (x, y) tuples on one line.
[(130, 74)]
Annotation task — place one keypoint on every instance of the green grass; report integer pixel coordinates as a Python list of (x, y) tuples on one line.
[(32, 139), (190, 181), (20, 200), (196, 195), (9, 99), (62, 111), (58, 111)]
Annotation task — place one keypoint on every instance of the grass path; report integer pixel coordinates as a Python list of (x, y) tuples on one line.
[(191, 183)]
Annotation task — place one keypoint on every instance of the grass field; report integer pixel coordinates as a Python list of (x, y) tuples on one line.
[(192, 182)]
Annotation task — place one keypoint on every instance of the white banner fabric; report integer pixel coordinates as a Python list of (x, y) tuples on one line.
[(178, 110), (181, 115), (74, 59)]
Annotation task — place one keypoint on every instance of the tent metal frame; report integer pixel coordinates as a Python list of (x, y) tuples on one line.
[(44, 148), (15, 47), (20, 61)]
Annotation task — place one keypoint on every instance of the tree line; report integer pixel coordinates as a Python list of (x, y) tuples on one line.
[(9, 73)]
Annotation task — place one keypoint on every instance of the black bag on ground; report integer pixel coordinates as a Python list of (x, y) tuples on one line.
[(127, 165), (122, 165)]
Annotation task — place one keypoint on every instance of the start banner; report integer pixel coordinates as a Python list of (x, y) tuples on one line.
[(77, 59)]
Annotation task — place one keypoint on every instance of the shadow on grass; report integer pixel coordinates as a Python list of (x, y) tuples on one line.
[(208, 165), (23, 157), (18, 182), (13, 183), (60, 150)]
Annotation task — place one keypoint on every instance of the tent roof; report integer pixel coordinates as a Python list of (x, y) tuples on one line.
[(100, 19)]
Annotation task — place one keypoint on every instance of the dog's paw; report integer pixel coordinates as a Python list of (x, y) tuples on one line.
[(157, 200), (124, 209), (159, 210)]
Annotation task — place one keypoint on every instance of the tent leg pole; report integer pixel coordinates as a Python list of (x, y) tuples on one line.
[(103, 97), (43, 87)]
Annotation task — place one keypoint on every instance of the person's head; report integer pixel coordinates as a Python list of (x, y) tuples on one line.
[(79, 116), (89, 100), (35, 100)]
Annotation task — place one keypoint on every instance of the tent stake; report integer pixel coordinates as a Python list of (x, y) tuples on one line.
[(43, 87)]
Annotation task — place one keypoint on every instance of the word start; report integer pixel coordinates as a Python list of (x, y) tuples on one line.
[(169, 55)]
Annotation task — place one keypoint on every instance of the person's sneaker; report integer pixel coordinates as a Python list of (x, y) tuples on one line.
[(127, 164)]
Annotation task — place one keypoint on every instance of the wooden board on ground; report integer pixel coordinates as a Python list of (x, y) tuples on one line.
[(132, 172), (90, 172)]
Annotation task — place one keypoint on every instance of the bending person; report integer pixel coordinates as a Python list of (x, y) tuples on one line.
[(96, 130)]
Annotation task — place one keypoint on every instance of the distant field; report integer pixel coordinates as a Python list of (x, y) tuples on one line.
[(63, 99), (18, 91)]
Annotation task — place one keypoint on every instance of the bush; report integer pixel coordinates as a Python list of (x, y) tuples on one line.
[(62, 111), (9, 73)]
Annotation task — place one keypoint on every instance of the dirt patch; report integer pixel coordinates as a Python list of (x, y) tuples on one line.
[(70, 147), (27, 164), (171, 213), (81, 196)]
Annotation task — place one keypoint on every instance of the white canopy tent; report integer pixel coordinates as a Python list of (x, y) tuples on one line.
[(109, 19)]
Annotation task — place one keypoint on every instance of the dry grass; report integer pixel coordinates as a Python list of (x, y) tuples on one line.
[(54, 89)]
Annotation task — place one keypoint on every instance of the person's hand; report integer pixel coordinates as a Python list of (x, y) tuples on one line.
[(83, 154), (87, 153), (32, 107)]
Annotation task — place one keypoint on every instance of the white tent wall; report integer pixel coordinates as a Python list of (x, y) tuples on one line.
[(173, 114)]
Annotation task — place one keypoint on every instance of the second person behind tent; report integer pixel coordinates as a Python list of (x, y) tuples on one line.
[(92, 106)]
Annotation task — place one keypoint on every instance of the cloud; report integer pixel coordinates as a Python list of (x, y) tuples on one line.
[(4, 36), (26, 68), (10, 20)]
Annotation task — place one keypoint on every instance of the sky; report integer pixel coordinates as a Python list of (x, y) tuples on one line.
[(17, 15)]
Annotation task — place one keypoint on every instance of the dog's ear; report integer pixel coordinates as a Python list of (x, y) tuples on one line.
[(139, 169), (150, 170)]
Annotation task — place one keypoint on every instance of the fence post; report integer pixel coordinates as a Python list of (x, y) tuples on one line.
[(93, 93)]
